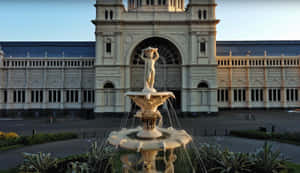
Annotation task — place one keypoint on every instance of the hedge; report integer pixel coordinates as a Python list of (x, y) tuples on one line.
[(291, 138), (36, 139)]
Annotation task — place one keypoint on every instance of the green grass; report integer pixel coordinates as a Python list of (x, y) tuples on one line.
[(289, 138), (13, 170), (11, 147), (293, 168)]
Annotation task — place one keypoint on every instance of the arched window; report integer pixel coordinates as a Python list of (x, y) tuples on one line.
[(106, 14), (203, 93), (109, 95), (108, 85), (203, 85), (200, 14), (111, 14), (204, 14)]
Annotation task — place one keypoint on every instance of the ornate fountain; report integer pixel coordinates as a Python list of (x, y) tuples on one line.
[(149, 139)]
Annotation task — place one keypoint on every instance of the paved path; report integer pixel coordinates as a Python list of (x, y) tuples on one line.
[(12, 158)]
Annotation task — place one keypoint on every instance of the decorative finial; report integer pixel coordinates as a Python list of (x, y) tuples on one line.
[(1, 51), (249, 52), (265, 53), (230, 52)]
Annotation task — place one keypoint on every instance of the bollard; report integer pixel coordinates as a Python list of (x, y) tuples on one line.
[(273, 129), (33, 132)]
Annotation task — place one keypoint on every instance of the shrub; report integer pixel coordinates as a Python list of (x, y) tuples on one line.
[(38, 163), (267, 161), (234, 163), (254, 134), (7, 136)]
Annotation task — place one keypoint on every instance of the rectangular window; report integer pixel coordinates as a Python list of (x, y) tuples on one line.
[(240, 95), (50, 96), (288, 95), (226, 95), (72, 96), (279, 95), (235, 95), (36, 96), (261, 95), (58, 96), (23, 97), (296, 94), (41, 96), (15, 96), (84, 96), (257, 95), (32, 96), (108, 47), (89, 96), (5, 96), (218, 96), (76, 96), (205, 14), (270, 95), (292, 94), (54, 96), (202, 47), (68, 96), (252, 95), (93, 94)]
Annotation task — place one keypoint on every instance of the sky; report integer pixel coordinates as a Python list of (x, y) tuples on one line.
[(70, 20)]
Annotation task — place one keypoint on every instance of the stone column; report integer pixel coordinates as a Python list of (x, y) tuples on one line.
[(248, 85), (212, 47), (99, 49), (283, 77)]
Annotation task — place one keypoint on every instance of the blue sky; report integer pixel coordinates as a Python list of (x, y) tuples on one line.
[(69, 20)]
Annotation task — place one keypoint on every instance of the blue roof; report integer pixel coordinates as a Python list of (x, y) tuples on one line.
[(87, 49), (53, 49), (257, 48)]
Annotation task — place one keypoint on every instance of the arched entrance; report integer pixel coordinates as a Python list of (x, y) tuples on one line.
[(168, 67)]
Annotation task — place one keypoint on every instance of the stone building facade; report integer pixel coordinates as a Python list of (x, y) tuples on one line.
[(186, 38), (205, 75)]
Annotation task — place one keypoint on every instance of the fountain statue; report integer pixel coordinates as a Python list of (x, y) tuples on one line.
[(149, 139)]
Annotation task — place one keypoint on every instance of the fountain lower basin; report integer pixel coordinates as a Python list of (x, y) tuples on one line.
[(171, 139)]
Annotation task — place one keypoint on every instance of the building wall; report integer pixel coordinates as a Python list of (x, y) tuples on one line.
[(124, 30), (262, 81), (47, 83)]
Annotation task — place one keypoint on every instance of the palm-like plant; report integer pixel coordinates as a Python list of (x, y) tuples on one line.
[(230, 162), (269, 161), (38, 163)]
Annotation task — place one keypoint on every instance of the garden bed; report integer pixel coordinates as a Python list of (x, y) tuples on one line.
[(289, 138), (7, 142)]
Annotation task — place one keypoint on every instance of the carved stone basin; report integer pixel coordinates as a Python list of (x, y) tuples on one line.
[(171, 139), (149, 102)]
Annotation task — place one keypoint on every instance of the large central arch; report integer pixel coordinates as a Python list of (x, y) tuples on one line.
[(168, 67)]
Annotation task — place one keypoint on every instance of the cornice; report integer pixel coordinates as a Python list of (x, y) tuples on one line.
[(188, 22), (202, 5)]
